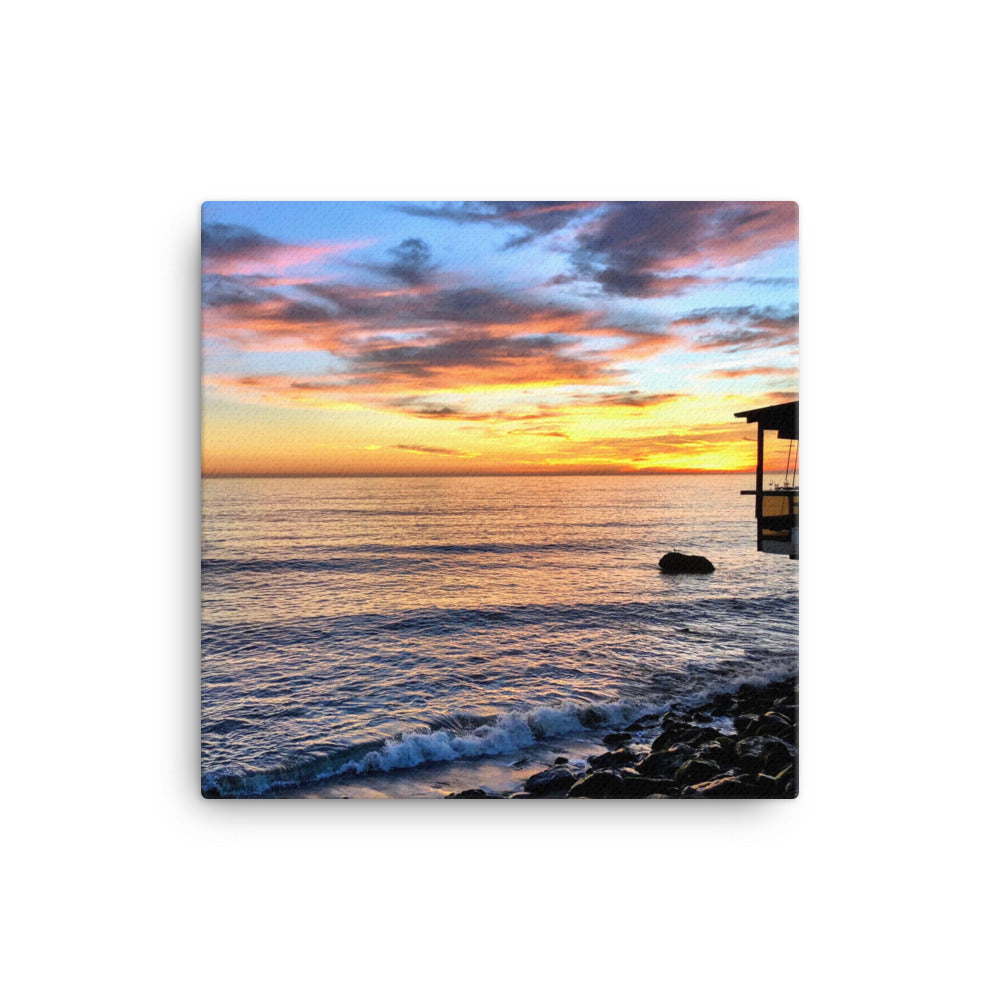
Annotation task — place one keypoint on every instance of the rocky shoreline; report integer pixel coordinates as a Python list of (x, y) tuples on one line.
[(742, 745)]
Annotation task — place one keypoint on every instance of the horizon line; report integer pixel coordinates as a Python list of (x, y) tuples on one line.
[(473, 475)]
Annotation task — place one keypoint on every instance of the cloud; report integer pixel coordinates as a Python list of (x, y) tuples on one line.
[(633, 397), (649, 249), (409, 262), (429, 409), (224, 290), (528, 219), (221, 242), (759, 371), (231, 250), (427, 450), (481, 360), (432, 334), (738, 328), (766, 282), (697, 442), (425, 332), (639, 249)]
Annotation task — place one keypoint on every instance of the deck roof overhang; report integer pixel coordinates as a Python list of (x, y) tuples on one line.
[(783, 418)]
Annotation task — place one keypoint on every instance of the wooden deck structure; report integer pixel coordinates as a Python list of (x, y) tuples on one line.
[(777, 509)]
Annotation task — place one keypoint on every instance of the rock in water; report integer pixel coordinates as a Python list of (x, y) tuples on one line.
[(677, 562)]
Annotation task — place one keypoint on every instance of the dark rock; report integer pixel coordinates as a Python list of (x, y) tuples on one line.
[(561, 760), (666, 740), (641, 787), (643, 722), (745, 724), (767, 787), (664, 763), (721, 752), (697, 735), (730, 787), (760, 753), (677, 562), (788, 781), (778, 754), (751, 752), (673, 726), (522, 795), (774, 724), (680, 732), (753, 700), (550, 782), (599, 785), (617, 739), (695, 770), (471, 793), (722, 704), (617, 758)]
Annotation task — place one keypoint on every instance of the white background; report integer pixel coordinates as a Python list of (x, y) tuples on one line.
[(879, 120)]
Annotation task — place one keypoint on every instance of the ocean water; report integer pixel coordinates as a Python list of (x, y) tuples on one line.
[(416, 636)]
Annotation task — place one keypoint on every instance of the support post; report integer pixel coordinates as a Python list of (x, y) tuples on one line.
[(760, 469)]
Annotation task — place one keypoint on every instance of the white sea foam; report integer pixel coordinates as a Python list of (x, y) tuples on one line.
[(506, 734)]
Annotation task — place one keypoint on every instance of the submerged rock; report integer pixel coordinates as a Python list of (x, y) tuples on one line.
[(677, 562), (472, 793)]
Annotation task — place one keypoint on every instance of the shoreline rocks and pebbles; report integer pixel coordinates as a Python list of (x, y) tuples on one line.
[(740, 745)]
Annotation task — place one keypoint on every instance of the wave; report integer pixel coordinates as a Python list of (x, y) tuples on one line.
[(468, 737), (437, 621), (356, 558)]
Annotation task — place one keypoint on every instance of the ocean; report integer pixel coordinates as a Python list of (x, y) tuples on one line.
[(413, 637)]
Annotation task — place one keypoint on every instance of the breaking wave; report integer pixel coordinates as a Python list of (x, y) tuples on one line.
[(469, 738)]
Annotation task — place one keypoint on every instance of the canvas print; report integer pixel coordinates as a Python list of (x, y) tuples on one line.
[(500, 500)]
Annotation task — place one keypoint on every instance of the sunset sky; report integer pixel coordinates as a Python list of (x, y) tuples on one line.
[(398, 338)]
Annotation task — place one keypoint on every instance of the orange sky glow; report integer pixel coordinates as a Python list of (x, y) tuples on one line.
[(494, 337)]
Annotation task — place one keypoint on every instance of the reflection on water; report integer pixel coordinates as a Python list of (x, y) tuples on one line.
[(340, 612)]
